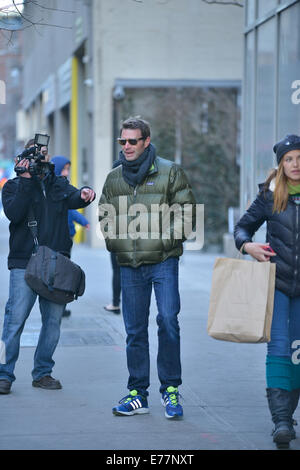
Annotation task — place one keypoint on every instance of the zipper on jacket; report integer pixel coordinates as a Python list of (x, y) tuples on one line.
[(134, 241), (296, 248)]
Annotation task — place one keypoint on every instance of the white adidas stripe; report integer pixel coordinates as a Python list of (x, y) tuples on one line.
[(136, 404)]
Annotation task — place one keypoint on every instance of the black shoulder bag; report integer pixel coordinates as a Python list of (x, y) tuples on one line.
[(51, 274)]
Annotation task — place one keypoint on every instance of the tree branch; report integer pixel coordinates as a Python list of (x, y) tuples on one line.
[(219, 2), (34, 2), (28, 22)]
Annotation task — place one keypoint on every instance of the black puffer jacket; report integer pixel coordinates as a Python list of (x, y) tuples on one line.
[(282, 233), (51, 213)]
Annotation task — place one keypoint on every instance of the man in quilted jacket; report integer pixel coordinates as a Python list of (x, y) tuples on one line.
[(147, 210)]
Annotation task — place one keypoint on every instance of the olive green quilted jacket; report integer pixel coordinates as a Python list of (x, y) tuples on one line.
[(144, 225)]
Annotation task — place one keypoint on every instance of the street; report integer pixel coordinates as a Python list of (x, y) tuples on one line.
[(223, 391)]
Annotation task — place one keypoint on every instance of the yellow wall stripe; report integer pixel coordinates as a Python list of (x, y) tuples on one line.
[(74, 122), (74, 138)]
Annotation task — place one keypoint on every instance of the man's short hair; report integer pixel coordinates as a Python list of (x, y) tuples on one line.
[(136, 123)]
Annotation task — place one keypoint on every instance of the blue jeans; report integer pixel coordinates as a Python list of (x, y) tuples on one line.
[(285, 325), (116, 280), (136, 296), (18, 307)]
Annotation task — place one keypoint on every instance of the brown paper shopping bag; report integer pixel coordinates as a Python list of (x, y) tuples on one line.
[(241, 300)]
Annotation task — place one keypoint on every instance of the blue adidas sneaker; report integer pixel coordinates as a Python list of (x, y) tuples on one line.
[(132, 404), (170, 400)]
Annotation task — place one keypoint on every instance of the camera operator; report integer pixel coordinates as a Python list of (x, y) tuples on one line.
[(50, 197)]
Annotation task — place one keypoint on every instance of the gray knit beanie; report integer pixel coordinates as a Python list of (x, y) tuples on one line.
[(290, 142)]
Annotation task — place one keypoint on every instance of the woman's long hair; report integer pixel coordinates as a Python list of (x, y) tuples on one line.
[(281, 193)]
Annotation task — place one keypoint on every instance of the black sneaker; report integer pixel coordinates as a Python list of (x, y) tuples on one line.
[(66, 313), (5, 386), (47, 382)]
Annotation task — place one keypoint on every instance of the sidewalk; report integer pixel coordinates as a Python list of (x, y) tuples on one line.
[(223, 383)]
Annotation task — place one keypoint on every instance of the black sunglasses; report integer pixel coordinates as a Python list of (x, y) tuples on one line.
[(130, 141)]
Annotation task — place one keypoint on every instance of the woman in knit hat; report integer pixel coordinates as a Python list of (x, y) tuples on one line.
[(278, 204)]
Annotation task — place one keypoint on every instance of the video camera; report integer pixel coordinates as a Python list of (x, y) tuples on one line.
[(34, 154)]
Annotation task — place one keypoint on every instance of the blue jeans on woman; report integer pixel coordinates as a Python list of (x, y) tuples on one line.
[(18, 307), (283, 353), (136, 297), (285, 325)]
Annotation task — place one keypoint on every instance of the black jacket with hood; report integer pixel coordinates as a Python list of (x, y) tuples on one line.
[(283, 231), (51, 213)]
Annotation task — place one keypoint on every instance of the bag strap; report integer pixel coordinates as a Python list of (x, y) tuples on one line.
[(32, 225), (52, 267)]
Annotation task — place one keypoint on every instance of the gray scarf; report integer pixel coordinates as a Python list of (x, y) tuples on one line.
[(135, 172)]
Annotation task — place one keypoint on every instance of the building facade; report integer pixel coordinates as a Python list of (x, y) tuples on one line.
[(102, 60), (57, 98), (271, 104), (10, 83)]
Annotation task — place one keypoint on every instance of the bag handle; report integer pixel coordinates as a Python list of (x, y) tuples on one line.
[(32, 225)]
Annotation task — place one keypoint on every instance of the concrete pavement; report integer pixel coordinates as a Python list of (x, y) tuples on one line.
[(223, 387)]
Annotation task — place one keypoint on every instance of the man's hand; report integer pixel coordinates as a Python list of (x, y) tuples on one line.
[(87, 194), (24, 164), (258, 251)]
